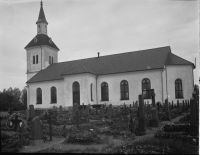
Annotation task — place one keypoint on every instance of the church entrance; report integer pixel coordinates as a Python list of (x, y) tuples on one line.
[(76, 93)]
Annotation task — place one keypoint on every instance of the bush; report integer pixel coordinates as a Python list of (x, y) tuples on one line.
[(83, 137), (176, 127)]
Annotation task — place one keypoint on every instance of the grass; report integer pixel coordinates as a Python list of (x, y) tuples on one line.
[(152, 146)]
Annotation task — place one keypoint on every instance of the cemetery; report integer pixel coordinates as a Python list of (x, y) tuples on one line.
[(167, 128)]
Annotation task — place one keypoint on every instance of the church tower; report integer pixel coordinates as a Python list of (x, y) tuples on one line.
[(41, 51)]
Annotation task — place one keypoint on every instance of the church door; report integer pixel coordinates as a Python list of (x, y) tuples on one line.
[(76, 93)]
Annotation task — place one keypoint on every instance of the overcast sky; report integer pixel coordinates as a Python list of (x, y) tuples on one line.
[(81, 28)]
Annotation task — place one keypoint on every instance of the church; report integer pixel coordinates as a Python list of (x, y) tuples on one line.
[(113, 79)]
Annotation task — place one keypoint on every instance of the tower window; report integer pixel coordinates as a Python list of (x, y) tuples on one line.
[(38, 28), (36, 59), (33, 59), (49, 59)]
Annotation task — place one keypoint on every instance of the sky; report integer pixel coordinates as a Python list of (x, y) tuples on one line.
[(81, 28)]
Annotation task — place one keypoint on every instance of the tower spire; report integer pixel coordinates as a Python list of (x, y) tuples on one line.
[(41, 17)]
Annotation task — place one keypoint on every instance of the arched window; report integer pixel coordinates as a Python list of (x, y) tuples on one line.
[(104, 92), (39, 95), (124, 90), (53, 95), (146, 86), (76, 93), (178, 88)]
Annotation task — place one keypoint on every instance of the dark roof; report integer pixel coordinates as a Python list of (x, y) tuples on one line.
[(118, 63), (42, 39), (41, 17), (176, 60)]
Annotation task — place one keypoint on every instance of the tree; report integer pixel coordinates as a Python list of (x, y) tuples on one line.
[(24, 96)]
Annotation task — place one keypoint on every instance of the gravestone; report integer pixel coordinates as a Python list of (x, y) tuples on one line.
[(32, 111), (36, 132), (136, 104), (158, 105), (60, 110), (194, 95), (154, 112), (167, 109), (193, 121), (177, 103), (142, 126)]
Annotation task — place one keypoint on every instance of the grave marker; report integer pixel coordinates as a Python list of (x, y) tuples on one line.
[(154, 112), (177, 103), (60, 110), (194, 95), (32, 111), (172, 105), (142, 127), (36, 132), (193, 120), (167, 109)]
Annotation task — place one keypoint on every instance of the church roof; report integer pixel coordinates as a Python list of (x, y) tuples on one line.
[(41, 39), (142, 60), (41, 17)]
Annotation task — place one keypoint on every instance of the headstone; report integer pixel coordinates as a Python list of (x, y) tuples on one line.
[(154, 113), (158, 105), (36, 132), (136, 104), (194, 95), (142, 127), (32, 111), (193, 120), (167, 109), (60, 110), (177, 103)]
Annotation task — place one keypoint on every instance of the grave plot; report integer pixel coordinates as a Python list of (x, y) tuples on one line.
[(85, 126)]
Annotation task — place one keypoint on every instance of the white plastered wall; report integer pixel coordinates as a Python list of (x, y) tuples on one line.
[(46, 93), (135, 86), (84, 81), (183, 72)]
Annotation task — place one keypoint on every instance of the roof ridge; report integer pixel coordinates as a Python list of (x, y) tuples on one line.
[(114, 54), (181, 58)]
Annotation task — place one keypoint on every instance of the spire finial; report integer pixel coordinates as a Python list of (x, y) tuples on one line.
[(41, 3)]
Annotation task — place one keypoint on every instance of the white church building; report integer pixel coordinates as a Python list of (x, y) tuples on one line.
[(113, 79)]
